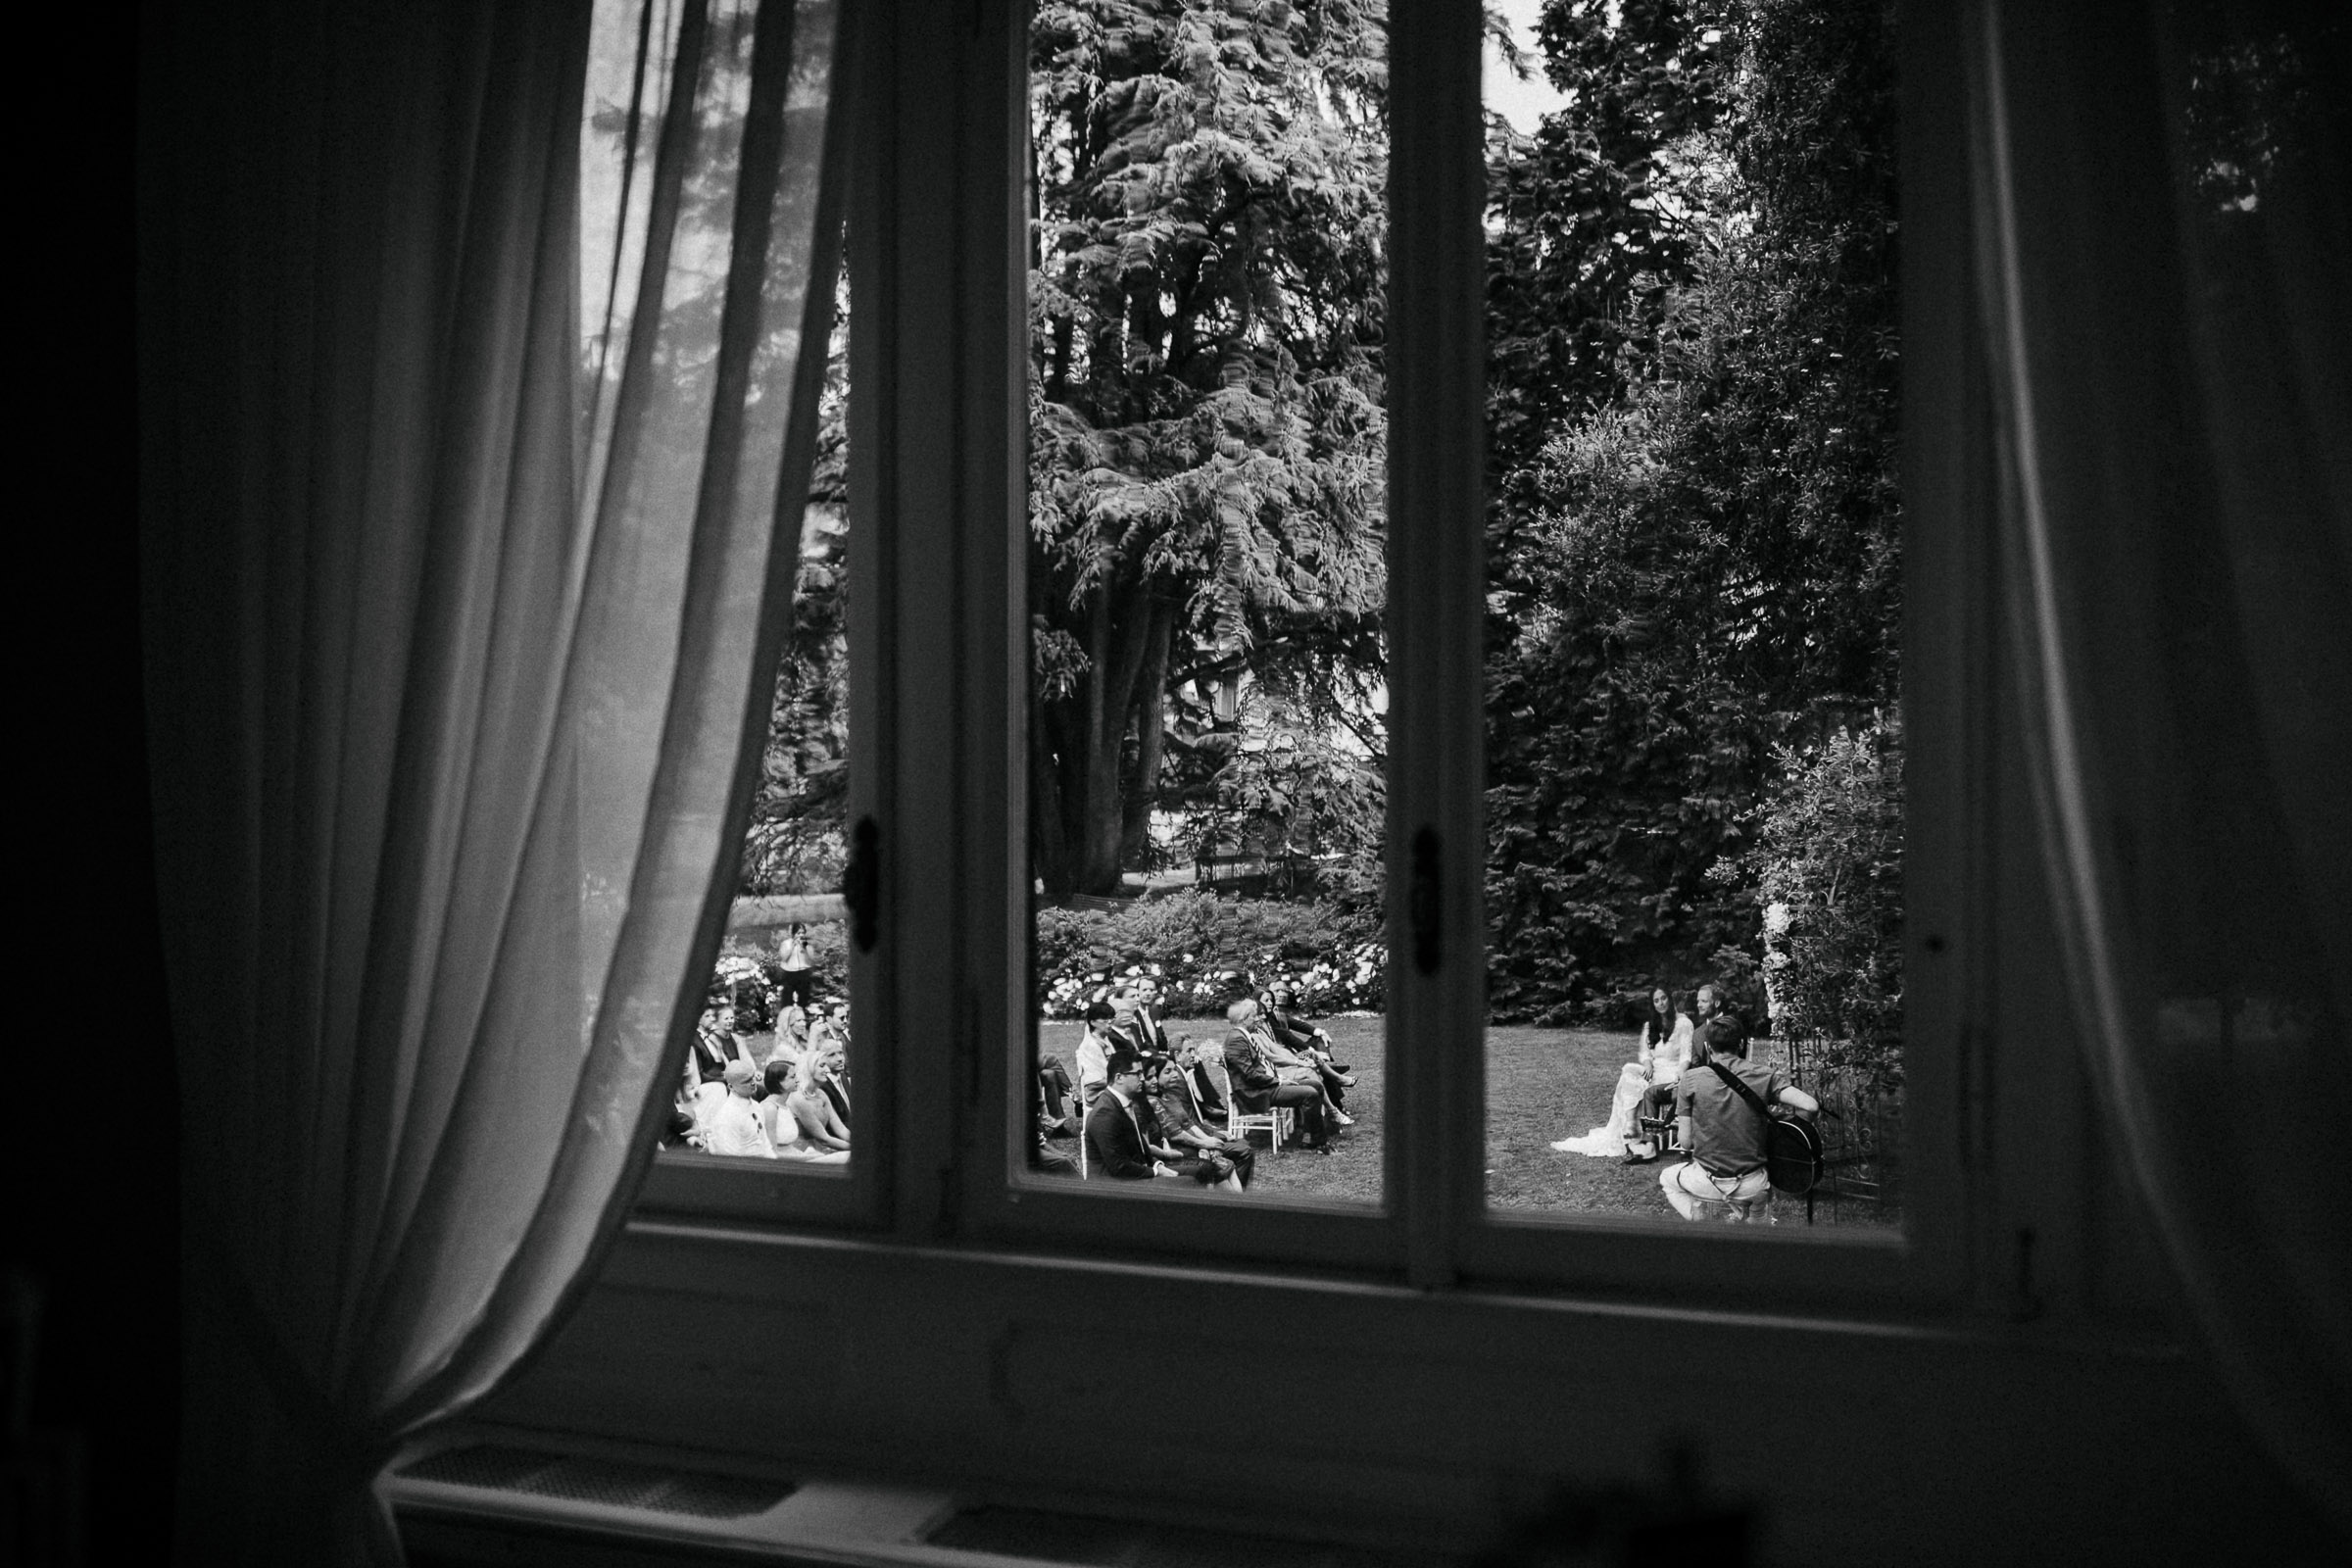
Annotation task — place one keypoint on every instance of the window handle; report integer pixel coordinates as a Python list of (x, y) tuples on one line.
[(862, 882), (1423, 904)]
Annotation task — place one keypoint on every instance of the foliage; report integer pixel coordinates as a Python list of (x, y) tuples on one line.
[(1289, 788), (795, 842), (1709, 570), (1206, 951), (1590, 229), (742, 960), (1207, 428), (1829, 854)]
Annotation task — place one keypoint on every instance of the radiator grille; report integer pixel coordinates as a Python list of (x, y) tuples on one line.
[(614, 1482)]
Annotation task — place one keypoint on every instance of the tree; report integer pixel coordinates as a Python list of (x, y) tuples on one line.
[(795, 842), (1708, 568), (1208, 439)]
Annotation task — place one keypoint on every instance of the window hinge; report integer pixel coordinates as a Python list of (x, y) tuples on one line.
[(862, 883), (1425, 903)]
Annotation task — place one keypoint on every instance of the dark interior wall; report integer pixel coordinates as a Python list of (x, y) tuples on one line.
[(91, 1219)]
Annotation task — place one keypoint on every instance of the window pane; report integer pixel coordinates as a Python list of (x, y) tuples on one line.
[(1208, 506), (1695, 742), (659, 198), (779, 1000)]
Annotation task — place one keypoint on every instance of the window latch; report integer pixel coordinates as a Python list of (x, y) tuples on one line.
[(862, 882), (1424, 904)]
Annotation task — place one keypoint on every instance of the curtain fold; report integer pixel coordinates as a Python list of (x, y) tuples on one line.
[(2165, 255), (479, 424)]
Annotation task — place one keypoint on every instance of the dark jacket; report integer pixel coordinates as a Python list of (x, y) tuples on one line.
[(1254, 1077), (1114, 1142)]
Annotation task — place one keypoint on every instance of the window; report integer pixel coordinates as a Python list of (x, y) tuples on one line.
[(1456, 1359), (948, 731)]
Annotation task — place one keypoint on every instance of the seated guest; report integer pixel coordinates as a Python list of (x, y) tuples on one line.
[(784, 1126), (1292, 1028), (1094, 1053), (836, 1081), (1119, 1138), (1182, 1125), (714, 1045), (734, 1127), (1295, 1059), (1256, 1085), (821, 1127), (686, 1118), (1290, 1067), (1138, 1005), (709, 1095), (1195, 1059), (1054, 1097), (1723, 1131)]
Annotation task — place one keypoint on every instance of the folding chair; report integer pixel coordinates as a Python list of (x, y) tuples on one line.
[(1274, 1121)]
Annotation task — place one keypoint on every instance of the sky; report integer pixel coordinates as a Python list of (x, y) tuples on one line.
[(1519, 102)]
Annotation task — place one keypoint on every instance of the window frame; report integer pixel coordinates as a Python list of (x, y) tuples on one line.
[(937, 259), (687, 1184)]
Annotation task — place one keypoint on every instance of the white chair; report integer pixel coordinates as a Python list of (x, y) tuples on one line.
[(1274, 1121)]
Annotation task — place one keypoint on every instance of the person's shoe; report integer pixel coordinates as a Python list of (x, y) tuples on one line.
[(1343, 1118), (1633, 1159)]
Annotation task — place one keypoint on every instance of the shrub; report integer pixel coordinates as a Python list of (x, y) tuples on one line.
[(740, 958), (1829, 854), (1206, 951)]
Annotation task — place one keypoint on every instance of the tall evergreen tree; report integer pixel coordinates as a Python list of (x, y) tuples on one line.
[(1208, 439), (1709, 566)]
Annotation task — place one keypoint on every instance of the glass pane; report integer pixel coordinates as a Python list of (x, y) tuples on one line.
[(1208, 507), (1694, 739), (765, 1074), (779, 998)]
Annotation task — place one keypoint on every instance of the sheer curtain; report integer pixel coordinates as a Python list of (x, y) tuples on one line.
[(2166, 260), (468, 512)]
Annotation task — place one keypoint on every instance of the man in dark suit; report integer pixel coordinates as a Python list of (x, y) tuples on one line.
[(1135, 1025), (1256, 1085), (1115, 1128)]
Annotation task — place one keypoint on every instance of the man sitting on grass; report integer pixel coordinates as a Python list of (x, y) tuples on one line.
[(1723, 1131)]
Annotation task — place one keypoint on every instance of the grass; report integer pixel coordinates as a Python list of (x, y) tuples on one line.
[(1541, 1084)]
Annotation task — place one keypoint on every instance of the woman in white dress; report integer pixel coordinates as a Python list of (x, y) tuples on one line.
[(1662, 1057), (783, 1120)]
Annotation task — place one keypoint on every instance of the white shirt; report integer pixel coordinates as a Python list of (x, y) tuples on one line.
[(735, 1130), (1094, 1064)]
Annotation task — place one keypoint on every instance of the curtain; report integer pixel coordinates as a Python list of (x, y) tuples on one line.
[(2165, 273), (480, 348)]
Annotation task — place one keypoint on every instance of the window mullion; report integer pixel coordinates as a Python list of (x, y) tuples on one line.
[(1436, 750)]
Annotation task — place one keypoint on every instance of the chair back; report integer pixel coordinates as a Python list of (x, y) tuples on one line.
[(1213, 1062)]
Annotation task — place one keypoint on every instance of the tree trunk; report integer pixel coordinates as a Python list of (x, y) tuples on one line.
[(1122, 640), (1151, 734)]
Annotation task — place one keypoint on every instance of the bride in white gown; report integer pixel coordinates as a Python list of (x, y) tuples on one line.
[(1665, 1052)]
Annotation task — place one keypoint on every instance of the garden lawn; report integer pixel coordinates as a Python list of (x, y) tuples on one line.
[(1542, 1085)]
